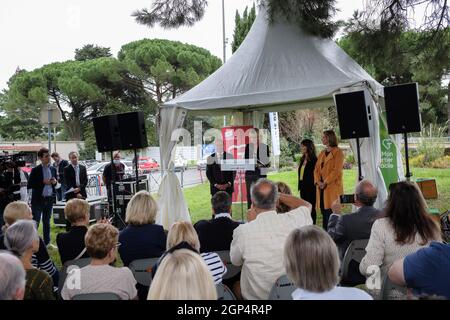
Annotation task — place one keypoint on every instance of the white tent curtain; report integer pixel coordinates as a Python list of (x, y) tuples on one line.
[(171, 202)]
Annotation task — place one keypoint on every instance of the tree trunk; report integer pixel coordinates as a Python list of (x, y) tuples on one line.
[(73, 127), (448, 110)]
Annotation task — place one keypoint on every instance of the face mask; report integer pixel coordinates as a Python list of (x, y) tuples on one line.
[(116, 161)]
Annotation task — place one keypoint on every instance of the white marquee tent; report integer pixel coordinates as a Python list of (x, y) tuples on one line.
[(277, 68)]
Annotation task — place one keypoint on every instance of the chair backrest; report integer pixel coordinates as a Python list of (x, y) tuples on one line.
[(355, 251), (282, 289), (232, 270), (96, 296), (80, 263), (142, 270), (388, 286), (224, 293)]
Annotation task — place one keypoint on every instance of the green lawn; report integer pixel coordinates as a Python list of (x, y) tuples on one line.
[(198, 197)]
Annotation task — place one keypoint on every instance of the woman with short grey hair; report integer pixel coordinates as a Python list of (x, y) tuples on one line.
[(12, 274), (312, 263), (22, 240)]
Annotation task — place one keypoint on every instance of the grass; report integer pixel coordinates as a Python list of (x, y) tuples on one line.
[(198, 197)]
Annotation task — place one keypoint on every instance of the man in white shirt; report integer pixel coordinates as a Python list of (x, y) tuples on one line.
[(258, 245)]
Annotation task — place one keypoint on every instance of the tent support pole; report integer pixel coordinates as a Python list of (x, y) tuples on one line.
[(408, 173), (358, 152)]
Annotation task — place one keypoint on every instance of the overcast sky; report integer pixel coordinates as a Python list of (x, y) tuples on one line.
[(34, 33)]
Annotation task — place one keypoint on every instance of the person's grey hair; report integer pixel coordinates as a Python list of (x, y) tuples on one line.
[(20, 236), (366, 193), (311, 259), (12, 274), (264, 200)]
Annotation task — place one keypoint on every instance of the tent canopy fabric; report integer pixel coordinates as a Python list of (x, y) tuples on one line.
[(277, 68), (276, 65)]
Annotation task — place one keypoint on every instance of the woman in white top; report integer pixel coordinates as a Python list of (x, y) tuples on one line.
[(405, 228), (312, 263), (99, 277)]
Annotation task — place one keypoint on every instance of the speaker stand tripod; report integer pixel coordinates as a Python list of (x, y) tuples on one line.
[(358, 152), (408, 173)]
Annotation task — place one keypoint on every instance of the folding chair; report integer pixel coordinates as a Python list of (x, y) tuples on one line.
[(355, 252), (80, 263), (388, 286), (282, 289), (224, 293), (97, 296), (142, 270), (232, 270)]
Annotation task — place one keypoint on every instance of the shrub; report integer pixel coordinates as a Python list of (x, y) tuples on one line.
[(441, 163), (297, 157), (417, 161), (350, 158)]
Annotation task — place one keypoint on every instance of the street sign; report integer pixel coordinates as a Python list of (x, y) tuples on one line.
[(50, 112)]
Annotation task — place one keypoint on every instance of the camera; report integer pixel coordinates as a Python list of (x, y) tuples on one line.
[(347, 198)]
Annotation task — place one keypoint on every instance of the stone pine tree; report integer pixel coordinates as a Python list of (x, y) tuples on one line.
[(242, 26), (91, 51)]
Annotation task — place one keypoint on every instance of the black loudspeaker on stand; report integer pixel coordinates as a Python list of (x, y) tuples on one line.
[(353, 115), (402, 113), (123, 131)]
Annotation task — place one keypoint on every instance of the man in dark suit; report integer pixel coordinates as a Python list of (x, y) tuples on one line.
[(216, 234), (75, 176), (60, 164), (219, 180), (42, 181), (262, 162), (346, 228)]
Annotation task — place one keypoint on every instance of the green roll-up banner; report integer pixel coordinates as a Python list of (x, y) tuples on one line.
[(388, 156)]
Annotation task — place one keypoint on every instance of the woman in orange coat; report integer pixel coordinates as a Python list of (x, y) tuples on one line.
[(328, 175)]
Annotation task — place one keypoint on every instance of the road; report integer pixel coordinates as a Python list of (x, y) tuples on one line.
[(188, 178)]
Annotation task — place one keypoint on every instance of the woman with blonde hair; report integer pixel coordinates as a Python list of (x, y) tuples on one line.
[(328, 175), (19, 210), (312, 263), (182, 235), (182, 275), (142, 238)]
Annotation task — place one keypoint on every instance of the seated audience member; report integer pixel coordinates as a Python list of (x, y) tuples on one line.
[(343, 229), (182, 275), (426, 272), (312, 263), (142, 238), (19, 210), (71, 244), (12, 275), (404, 228), (22, 240), (182, 234), (258, 245), (283, 188), (99, 277), (216, 234)]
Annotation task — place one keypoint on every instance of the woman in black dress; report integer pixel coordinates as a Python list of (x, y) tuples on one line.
[(306, 175)]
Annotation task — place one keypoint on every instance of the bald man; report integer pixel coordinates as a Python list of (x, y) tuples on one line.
[(346, 228)]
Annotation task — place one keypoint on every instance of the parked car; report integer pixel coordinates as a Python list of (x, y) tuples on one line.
[(147, 164), (27, 168), (180, 163)]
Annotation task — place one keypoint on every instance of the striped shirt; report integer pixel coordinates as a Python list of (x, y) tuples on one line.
[(41, 260), (215, 265)]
